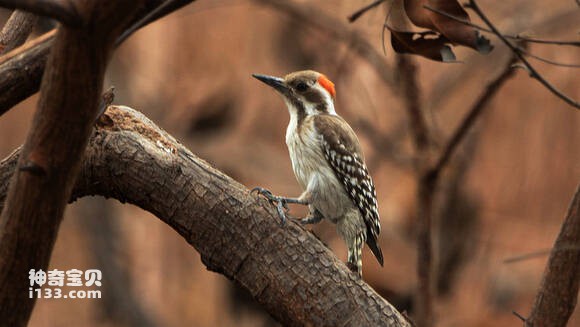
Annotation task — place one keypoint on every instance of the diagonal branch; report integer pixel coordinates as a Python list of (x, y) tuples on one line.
[(21, 70), (558, 292), (16, 30), (480, 104), (63, 11), (532, 71), (286, 269)]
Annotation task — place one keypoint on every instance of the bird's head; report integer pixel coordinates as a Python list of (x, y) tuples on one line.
[(305, 92)]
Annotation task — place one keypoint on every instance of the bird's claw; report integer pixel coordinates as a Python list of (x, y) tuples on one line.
[(262, 191), (281, 205)]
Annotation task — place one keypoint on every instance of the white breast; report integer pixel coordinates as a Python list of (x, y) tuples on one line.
[(313, 173)]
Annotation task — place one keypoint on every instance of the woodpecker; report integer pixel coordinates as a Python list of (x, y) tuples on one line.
[(328, 164)]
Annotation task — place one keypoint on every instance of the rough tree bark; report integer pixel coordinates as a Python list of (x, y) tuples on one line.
[(21, 70), (286, 269), (64, 11), (16, 30), (51, 155), (558, 292)]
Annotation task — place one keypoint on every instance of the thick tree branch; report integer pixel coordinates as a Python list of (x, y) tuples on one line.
[(286, 269), (558, 292), (21, 70), (51, 155), (62, 10), (16, 30)]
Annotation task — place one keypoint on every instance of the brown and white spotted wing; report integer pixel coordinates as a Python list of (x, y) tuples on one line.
[(342, 150)]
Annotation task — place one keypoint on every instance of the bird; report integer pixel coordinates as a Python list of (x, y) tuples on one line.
[(328, 164)]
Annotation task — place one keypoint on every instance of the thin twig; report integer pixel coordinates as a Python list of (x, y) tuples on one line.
[(533, 72), (106, 99), (481, 103), (548, 61), (526, 256), (357, 14), (508, 36), (522, 318)]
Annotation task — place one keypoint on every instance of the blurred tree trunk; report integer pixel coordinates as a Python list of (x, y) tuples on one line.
[(119, 304)]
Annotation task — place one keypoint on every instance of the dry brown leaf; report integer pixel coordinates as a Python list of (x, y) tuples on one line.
[(428, 44), (453, 30)]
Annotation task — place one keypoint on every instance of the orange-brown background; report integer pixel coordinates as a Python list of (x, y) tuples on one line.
[(190, 73)]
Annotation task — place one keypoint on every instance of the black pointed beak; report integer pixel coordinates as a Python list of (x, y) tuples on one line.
[(276, 82)]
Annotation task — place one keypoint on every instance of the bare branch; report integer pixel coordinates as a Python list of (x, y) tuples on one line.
[(490, 90), (533, 73), (357, 14), (508, 36), (286, 269), (16, 30), (558, 292), (547, 61), (520, 317), (526, 256), (62, 10)]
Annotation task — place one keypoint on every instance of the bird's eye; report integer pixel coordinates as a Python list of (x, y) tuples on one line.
[(301, 87)]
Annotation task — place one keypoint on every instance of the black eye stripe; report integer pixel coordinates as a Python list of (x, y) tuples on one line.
[(301, 87)]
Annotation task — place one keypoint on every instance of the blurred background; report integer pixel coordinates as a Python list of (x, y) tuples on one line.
[(502, 200)]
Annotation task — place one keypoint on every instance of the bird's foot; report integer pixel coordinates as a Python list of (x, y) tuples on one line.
[(280, 202), (312, 218)]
